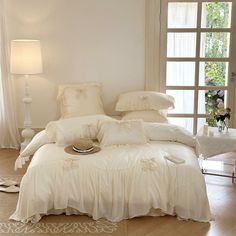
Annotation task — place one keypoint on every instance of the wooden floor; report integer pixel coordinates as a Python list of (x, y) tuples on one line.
[(222, 197)]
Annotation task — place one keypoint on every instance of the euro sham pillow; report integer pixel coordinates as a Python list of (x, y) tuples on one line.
[(147, 116), (121, 132), (68, 131), (144, 100), (80, 100)]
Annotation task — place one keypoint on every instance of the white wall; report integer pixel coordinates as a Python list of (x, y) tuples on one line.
[(82, 40)]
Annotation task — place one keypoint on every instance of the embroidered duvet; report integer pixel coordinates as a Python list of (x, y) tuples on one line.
[(117, 183)]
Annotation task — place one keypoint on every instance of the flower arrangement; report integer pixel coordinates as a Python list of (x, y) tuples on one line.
[(214, 105), (222, 117)]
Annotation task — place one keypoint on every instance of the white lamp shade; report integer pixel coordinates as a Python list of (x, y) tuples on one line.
[(26, 57)]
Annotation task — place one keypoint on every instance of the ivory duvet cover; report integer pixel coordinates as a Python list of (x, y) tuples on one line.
[(119, 182)]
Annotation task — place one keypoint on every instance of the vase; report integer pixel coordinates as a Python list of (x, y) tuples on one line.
[(221, 126), (226, 121)]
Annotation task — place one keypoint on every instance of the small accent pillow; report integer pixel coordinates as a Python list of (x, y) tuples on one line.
[(144, 100), (80, 100), (68, 131), (147, 116), (121, 132)]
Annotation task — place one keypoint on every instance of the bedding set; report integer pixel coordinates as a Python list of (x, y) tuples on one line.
[(143, 168)]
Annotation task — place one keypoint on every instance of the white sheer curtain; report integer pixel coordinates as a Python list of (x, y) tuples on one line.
[(9, 136), (152, 44)]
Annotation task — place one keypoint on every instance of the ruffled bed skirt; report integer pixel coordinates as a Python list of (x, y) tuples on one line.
[(72, 211)]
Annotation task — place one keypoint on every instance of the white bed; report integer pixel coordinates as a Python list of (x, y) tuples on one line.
[(119, 182)]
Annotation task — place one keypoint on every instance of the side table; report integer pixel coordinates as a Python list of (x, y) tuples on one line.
[(217, 143)]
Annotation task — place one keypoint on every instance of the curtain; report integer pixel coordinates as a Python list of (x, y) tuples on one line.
[(152, 44), (9, 135)]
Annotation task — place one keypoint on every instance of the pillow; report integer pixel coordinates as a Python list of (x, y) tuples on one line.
[(80, 100), (68, 131), (144, 100), (147, 116), (38, 140), (121, 132), (168, 132)]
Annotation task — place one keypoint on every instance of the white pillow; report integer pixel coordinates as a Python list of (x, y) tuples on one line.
[(147, 116), (38, 140), (121, 132), (168, 132), (80, 99), (67, 131), (144, 100)]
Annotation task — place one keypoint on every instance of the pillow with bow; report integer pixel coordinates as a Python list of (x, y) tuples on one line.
[(115, 132), (80, 100)]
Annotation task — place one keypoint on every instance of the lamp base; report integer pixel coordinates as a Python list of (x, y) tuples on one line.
[(27, 134)]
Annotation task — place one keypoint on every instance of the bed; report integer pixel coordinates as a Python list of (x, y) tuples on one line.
[(125, 179)]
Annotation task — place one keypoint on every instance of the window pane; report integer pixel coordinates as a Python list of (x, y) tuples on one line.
[(200, 123), (182, 15), (181, 44), (216, 14), (210, 102), (215, 44), (180, 73), (184, 101), (213, 73), (184, 122)]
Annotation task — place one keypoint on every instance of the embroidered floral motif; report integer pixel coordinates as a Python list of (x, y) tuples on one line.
[(124, 125), (69, 164), (144, 97), (149, 164)]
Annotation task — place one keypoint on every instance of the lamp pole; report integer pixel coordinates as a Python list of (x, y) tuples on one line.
[(27, 133)]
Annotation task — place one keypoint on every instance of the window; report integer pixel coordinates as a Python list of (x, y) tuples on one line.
[(195, 57)]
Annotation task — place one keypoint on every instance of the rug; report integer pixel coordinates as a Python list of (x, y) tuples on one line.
[(58, 225)]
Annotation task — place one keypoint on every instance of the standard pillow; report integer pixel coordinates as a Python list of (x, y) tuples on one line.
[(168, 132), (147, 116), (144, 100), (80, 100), (121, 132), (68, 131)]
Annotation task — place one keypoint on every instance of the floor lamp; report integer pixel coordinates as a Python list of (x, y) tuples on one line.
[(26, 59)]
